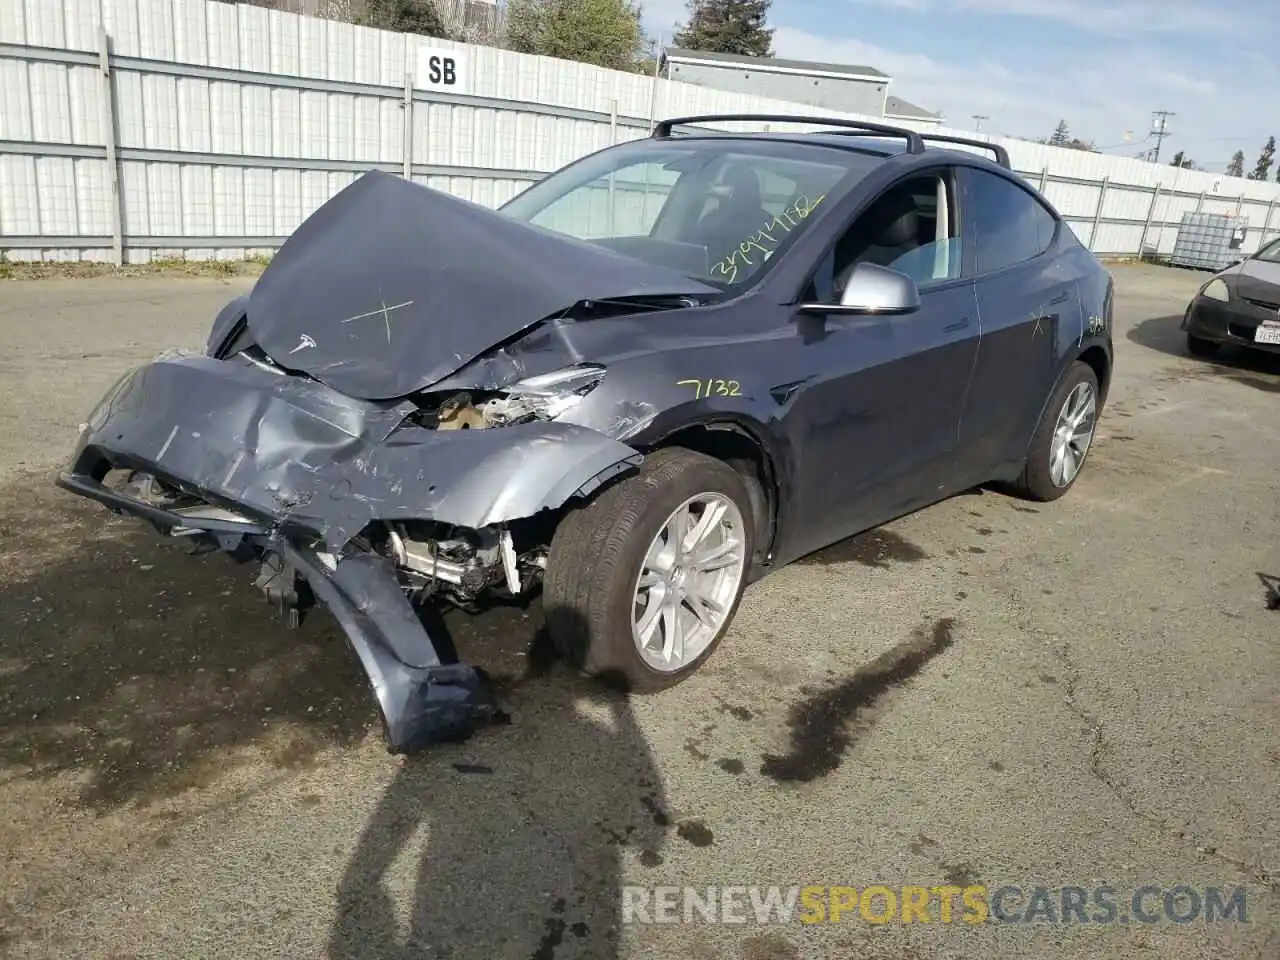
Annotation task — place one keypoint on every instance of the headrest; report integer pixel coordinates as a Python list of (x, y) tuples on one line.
[(893, 220), (739, 183)]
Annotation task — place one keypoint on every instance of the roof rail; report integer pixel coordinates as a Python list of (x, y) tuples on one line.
[(915, 143), (1001, 154)]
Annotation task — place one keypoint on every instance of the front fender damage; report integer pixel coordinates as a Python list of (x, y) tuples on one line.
[(297, 473)]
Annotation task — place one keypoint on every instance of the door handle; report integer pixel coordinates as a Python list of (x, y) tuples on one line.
[(958, 325), (1060, 298)]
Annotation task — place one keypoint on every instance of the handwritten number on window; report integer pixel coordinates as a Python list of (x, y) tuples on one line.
[(775, 229)]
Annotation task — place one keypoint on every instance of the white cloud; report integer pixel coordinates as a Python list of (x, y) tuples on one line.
[(1101, 96), (1117, 18), (661, 16)]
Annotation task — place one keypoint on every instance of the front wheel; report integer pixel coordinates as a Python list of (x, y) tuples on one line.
[(1064, 436), (643, 581)]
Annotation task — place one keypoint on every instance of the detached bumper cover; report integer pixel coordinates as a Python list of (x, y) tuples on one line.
[(423, 701), (295, 469), (1232, 322)]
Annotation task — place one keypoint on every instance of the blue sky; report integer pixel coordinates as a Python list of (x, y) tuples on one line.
[(1101, 65)]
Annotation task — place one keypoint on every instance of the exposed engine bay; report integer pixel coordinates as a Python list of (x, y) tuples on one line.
[(433, 561)]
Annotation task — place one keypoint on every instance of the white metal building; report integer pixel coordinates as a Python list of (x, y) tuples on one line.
[(832, 86)]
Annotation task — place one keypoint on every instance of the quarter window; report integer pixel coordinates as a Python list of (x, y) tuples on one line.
[(1009, 224)]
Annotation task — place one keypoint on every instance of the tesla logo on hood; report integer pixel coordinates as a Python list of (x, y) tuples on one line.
[(304, 343)]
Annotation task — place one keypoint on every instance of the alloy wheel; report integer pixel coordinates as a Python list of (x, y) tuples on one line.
[(1073, 434), (688, 582)]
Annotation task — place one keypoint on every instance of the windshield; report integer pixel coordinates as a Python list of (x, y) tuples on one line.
[(1270, 253), (716, 210)]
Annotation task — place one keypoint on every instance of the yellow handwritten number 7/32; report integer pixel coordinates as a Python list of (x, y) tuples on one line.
[(712, 388)]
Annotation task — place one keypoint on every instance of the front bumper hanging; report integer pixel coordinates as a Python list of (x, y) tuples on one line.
[(422, 699)]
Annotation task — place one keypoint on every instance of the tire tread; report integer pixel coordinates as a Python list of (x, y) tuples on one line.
[(582, 577), (1034, 482)]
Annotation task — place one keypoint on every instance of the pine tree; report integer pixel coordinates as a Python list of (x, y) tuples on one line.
[(1265, 159), (1180, 159), (1061, 137), (1236, 167), (727, 26)]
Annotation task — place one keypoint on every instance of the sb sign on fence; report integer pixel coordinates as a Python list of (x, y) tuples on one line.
[(444, 71)]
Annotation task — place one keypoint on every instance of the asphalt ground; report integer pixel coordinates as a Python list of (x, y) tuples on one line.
[(987, 693)]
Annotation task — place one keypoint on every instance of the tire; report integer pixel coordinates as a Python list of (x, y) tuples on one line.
[(1037, 481), (597, 555), (1199, 347)]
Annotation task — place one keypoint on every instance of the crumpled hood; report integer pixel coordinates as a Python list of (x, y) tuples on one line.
[(390, 286)]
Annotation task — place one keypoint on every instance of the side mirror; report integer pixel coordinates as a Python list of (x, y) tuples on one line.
[(873, 290)]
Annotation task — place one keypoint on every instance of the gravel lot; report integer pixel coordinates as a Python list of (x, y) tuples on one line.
[(987, 692)]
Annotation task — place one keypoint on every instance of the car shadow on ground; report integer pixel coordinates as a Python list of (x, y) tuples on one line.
[(138, 669), (131, 672), (1247, 367), (525, 831)]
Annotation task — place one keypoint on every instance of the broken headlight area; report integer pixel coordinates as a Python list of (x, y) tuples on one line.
[(544, 397)]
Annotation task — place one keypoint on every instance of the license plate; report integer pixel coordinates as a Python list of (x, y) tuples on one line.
[(1268, 332)]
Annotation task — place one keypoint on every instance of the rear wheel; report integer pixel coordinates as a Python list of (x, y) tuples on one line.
[(1064, 437), (643, 581), (1199, 347)]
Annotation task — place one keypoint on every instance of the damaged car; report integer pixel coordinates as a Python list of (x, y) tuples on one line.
[(640, 385)]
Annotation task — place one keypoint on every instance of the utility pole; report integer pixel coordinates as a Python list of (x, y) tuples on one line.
[(978, 118), (1159, 130)]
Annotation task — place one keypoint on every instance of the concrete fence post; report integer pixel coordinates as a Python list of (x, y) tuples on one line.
[(613, 121), (1044, 178), (406, 150), (1200, 202), (1151, 212), (109, 141), (1097, 214), (1266, 221)]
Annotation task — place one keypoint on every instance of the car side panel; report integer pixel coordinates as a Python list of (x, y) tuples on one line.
[(874, 418), (1027, 314)]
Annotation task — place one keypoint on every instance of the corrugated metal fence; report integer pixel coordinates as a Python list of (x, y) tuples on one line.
[(147, 128)]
